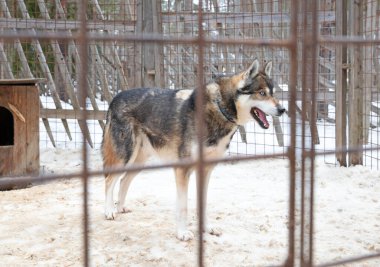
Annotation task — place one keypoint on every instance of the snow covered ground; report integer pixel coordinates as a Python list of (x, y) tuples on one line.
[(42, 225)]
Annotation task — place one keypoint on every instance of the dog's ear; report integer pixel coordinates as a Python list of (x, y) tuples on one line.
[(268, 68), (246, 76), (253, 70), (213, 75)]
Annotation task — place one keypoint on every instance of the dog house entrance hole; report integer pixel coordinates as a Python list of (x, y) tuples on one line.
[(6, 127)]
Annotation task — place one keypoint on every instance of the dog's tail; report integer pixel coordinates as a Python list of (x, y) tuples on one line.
[(108, 148)]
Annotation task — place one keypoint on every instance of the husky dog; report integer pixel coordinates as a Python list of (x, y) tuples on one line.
[(145, 121)]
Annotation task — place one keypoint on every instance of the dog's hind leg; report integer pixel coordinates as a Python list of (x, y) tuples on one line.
[(126, 180), (110, 159), (111, 180), (119, 148), (182, 183)]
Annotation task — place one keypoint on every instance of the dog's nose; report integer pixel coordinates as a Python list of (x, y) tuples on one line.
[(281, 110)]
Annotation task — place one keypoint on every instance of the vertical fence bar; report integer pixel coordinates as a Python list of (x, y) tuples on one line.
[(200, 132), (305, 87), (309, 114), (83, 87), (314, 135), (292, 113)]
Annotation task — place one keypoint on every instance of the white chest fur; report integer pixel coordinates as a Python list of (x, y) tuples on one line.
[(218, 150)]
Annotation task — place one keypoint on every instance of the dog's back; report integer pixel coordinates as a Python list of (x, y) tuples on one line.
[(143, 118)]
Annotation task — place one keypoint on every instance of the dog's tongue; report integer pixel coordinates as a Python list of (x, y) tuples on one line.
[(262, 117)]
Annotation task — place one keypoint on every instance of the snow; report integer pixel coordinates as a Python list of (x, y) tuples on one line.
[(42, 225)]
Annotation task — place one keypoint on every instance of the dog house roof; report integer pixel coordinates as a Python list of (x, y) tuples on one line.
[(30, 81)]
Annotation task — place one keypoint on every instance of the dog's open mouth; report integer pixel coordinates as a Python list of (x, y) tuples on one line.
[(260, 117)]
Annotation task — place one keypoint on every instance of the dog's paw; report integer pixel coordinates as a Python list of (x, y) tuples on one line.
[(185, 235), (110, 215), (123, 209), (212, 230)]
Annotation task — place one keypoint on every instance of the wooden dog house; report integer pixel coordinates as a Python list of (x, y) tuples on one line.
[(19, 127)]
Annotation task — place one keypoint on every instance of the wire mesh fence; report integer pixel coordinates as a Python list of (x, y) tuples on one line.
[(118, 65), (325, 58)]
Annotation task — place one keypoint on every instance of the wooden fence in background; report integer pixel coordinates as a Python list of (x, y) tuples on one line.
[(347, 76)]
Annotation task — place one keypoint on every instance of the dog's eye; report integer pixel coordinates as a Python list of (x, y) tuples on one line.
[(262, 93)]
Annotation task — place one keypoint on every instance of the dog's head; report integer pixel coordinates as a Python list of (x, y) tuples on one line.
[(253, 89)]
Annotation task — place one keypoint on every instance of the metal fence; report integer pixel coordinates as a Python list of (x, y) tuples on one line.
[(326, 57)]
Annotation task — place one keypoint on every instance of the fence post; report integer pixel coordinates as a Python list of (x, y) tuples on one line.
[(148, 54), (355, 93), (341, 84)]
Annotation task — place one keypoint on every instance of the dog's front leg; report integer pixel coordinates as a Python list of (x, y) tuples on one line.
[(182, 184), (213, 230)]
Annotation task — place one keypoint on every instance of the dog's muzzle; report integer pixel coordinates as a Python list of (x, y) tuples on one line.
[(260, 115)]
